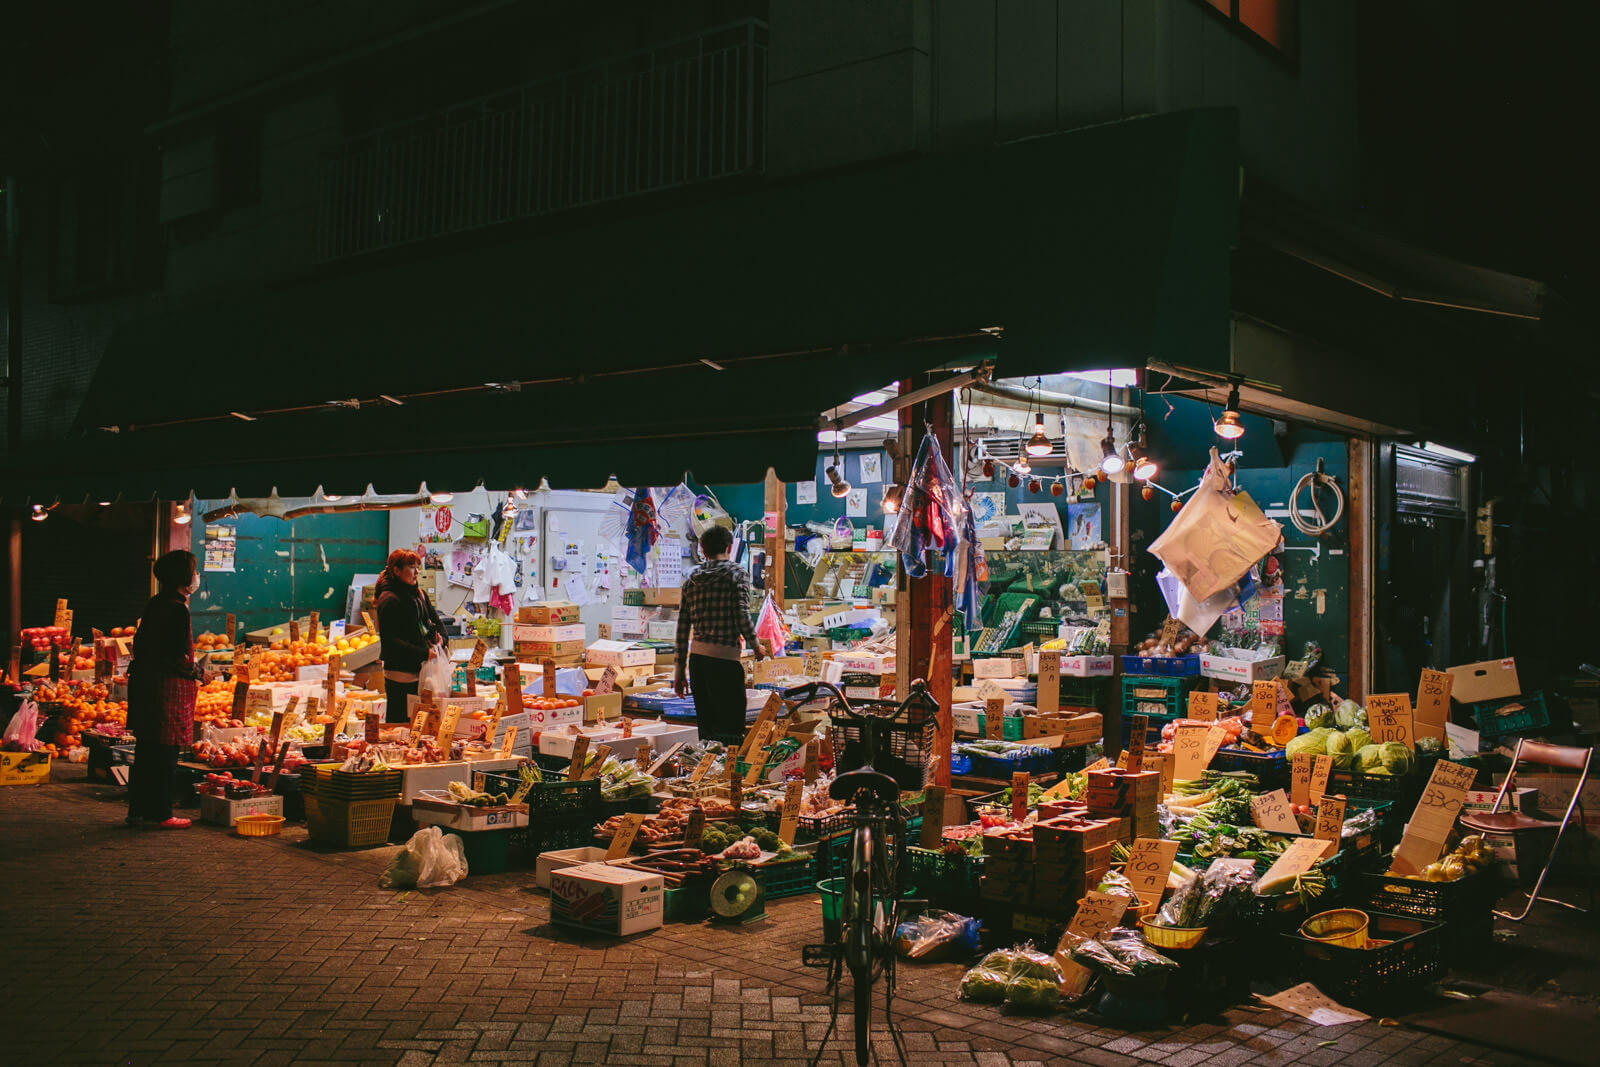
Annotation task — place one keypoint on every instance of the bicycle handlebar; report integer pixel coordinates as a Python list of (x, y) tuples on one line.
[(918, 695)]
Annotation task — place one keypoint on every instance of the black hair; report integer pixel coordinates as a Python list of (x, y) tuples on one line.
[(174, 569), (716, 541)]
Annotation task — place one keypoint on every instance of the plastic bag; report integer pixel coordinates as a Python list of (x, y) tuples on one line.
[(431, 858), (934, 932), (435, 674), (770, 628), (1217, 537), (21, 730), (1035, 983), (1130, 947), (932, 509), (986, 983)]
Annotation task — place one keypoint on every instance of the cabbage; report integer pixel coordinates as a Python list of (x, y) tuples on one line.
[(1397, 758), (1310, 743), (1319, 715), (1369, 760), (1340, 749), (1359, 738), (1346, 713), (1429, 746)]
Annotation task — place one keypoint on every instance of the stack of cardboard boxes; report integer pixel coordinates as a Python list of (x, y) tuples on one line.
[(549, 630), (1128, 796), (1072, 853)]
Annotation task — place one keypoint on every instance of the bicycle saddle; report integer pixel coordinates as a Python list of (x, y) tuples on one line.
[(848, 784)]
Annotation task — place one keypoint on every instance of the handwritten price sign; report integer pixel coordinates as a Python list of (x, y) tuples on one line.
[(1330, 820), (1203, 706), (1391, 719), (1433, 703), (1149, 863), (1300, 779), (1189, 752), (1271, 812), (1434, 817)]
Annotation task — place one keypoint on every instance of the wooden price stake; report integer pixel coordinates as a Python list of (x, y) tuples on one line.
[(513, 674), (1019, 795), (294, 630), (607, 683), (1389, 715), (419, 720), (932, 817), (547, 674), (1330, 820), (1049, 698), (1321, 768), (255, 769), (627, 727), (329, 732), (790, 820), (695, 830), (241, 693), (480, 648), (1203, 706), (1097, 913), (757, 760), (55, 663), (279, 718), (330, 687), (371, 726), (313, 709), (314, 625), (1434, 818), (642, 759), (251, 667), (231, 626), (1301, 855), (62, 617), (469, 681), (1270, 811), (702, 767), (661, 760), (1300, 779), (277, 767), (16, 663), (1215, 737), (342, 719), (447, 728), (1138, 730), (592, 768), (1263, 705), (372, 626), (507, 741), (622, 840), (811, 760), (1149, 864), (1433, 703), (580, 750), (735, 792), (1189, 752), (769, 713), (994, 719)]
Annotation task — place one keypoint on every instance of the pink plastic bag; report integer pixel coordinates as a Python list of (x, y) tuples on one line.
[(21, 730)]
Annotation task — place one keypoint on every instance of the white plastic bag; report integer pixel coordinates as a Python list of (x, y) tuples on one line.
[(431, 858), (1217, 537), (435, 674)]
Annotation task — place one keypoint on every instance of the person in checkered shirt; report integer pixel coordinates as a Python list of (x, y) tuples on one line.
[(713, 616)]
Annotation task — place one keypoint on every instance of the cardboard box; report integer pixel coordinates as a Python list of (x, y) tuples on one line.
[(1073, 730), (24, 768), (556, 650), (998, 667), (549, 613), (1485, 680), (619, 654), (221, 811), (600, 708), (606, 899), (865, 663), (559, 860), (550, 634), (1241, 670), (665, 598)]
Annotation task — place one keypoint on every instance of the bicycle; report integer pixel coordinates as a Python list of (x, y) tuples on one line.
[(870, 897)]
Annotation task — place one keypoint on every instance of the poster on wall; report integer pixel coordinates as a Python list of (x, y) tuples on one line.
[(433, 525), (1041, 526), (989, 514), (855, 503), (1083, 525), (464, 560), (871, 467), (805, 492), (221, 540)]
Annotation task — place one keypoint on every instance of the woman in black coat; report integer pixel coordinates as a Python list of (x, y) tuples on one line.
[(162, 683), (409, 628)]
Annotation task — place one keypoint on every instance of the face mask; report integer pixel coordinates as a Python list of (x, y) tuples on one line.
[(193, 587)]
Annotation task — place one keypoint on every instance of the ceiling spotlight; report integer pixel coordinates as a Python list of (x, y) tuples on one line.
[(181, 516), (105, 503), (1230, 425), (891, 499), (841, 488), (1144, 468), (520, 493), (39, 513), (1111, 461), (544, 486), (1039, 444)]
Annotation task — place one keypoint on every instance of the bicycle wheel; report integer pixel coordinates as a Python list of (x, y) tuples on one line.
[(863, 1020)]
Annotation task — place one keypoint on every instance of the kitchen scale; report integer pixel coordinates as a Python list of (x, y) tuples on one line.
[(736, 897)]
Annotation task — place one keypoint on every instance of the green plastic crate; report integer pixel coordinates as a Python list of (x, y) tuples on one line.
[(488, 851)]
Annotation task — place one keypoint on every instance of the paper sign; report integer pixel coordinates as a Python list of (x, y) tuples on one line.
[(702, 767), (607, 683), (342, 719), (1270, 811), (932, 817), (622, 840), (419, 719), (61, 612), (230, 626), (371, 727), (1301, 855), (580, 749), (1433, 704), (1300, 779), (1321, 767), (774, 668), (1189, 752), (372, 627), (1097, 913), (790, 818), (1203, 706), (1434, 817), (696, 828), (1049, 699), (1263, 704), (1309, 1002), (1138, 730), (513, 675), (1330, 820), (1149, 863), (994, 719), (811, 761), (1019, 796), (1215, 736), (507, 741), (1389, 715)]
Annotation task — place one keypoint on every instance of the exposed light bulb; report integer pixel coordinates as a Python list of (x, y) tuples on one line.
[(1039, 444), (39, 513), (841, 488), (1111, 460), (891, 499), (1144, 468), (182, 516), (1230, 426), (440, 498)]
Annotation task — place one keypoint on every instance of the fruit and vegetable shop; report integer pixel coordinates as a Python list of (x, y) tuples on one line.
[(1169, 719)]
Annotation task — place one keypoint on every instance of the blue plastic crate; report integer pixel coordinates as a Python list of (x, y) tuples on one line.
[(986, 765), (1163, 666)]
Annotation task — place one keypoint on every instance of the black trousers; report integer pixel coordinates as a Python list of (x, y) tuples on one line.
[(719, 703), (153, 779), (395, 694)]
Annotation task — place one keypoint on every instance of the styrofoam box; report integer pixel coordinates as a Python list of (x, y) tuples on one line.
[(561, 859), (559, 742), (1240, 670), (1087, 666), (568, 632), (416, 778), (663, 735), (435, 808), (606, 899), (225, 812)]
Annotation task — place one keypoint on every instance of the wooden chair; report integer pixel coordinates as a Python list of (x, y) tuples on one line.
[(1516, 823)]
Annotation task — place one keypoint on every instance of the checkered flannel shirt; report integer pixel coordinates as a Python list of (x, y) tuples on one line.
[(716, 605)]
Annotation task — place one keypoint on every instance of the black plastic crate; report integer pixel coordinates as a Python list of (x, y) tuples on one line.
[(553, 797), (1380, 973), (1464, 907), (1270, 768)]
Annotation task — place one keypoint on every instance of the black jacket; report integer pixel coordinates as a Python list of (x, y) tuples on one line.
[(163, 648), (407, 624)]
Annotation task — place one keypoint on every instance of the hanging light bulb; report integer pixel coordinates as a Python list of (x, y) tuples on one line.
[(1230, 426), (440, 498), (182, 516), (1144, 468), (891, 498), (520, 493), (105, 503), (544, 486), (841, 488), (1111, 460), (1039, 444), (39, 513), (1023, 466)]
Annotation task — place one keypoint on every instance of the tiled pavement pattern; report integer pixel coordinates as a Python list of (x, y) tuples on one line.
[(138, 945)]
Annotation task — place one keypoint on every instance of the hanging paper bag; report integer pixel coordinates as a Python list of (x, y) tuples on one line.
[(1217, 537)]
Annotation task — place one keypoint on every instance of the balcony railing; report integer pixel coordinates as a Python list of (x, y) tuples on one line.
[(677, 114)]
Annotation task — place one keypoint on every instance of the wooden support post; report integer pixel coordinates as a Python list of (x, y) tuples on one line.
[(922, 631), (777, 553), (1121, 531), (1358, 507)]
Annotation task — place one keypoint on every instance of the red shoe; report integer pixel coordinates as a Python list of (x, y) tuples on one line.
[(174, 823)]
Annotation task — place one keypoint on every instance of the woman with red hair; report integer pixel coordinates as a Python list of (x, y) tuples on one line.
[(409, 628)]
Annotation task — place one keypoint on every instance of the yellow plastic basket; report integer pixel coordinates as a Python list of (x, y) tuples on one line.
[(1172, 936), (258, 825), (349, 823), (1345, 927)]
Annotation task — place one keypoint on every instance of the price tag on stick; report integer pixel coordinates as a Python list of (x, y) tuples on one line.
[(696, 828), (371, 727), (811, 761), (507, 741), (1019, 796), (580, 750), (1390, 717), (1097, 913), (1434, 818), (1330, 820), (241, 694), (994, 719), (513, 674), (315, 626), (1300, 779), (592, 768), (231, 626), (622, 840), (1301, 855), (1149, 863), (480, 648), (1433, 704), (1270, 811), (702, 767), (790, 819), (1203, 706), (1189, 752), (1138, 729), (1263, 705), (1321, 768)]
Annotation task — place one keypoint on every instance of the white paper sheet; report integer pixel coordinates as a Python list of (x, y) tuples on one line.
[(871, 468), (805, 492), (855, 503), (1308, 1002)]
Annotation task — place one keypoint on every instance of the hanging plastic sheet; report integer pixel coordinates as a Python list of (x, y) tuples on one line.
[(642, 530), (932, 509), (968, 571)]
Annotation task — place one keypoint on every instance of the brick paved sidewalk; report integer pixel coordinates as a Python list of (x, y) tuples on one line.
[(140, 945)]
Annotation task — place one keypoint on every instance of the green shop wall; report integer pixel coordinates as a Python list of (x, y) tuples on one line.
[(287, 567)]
